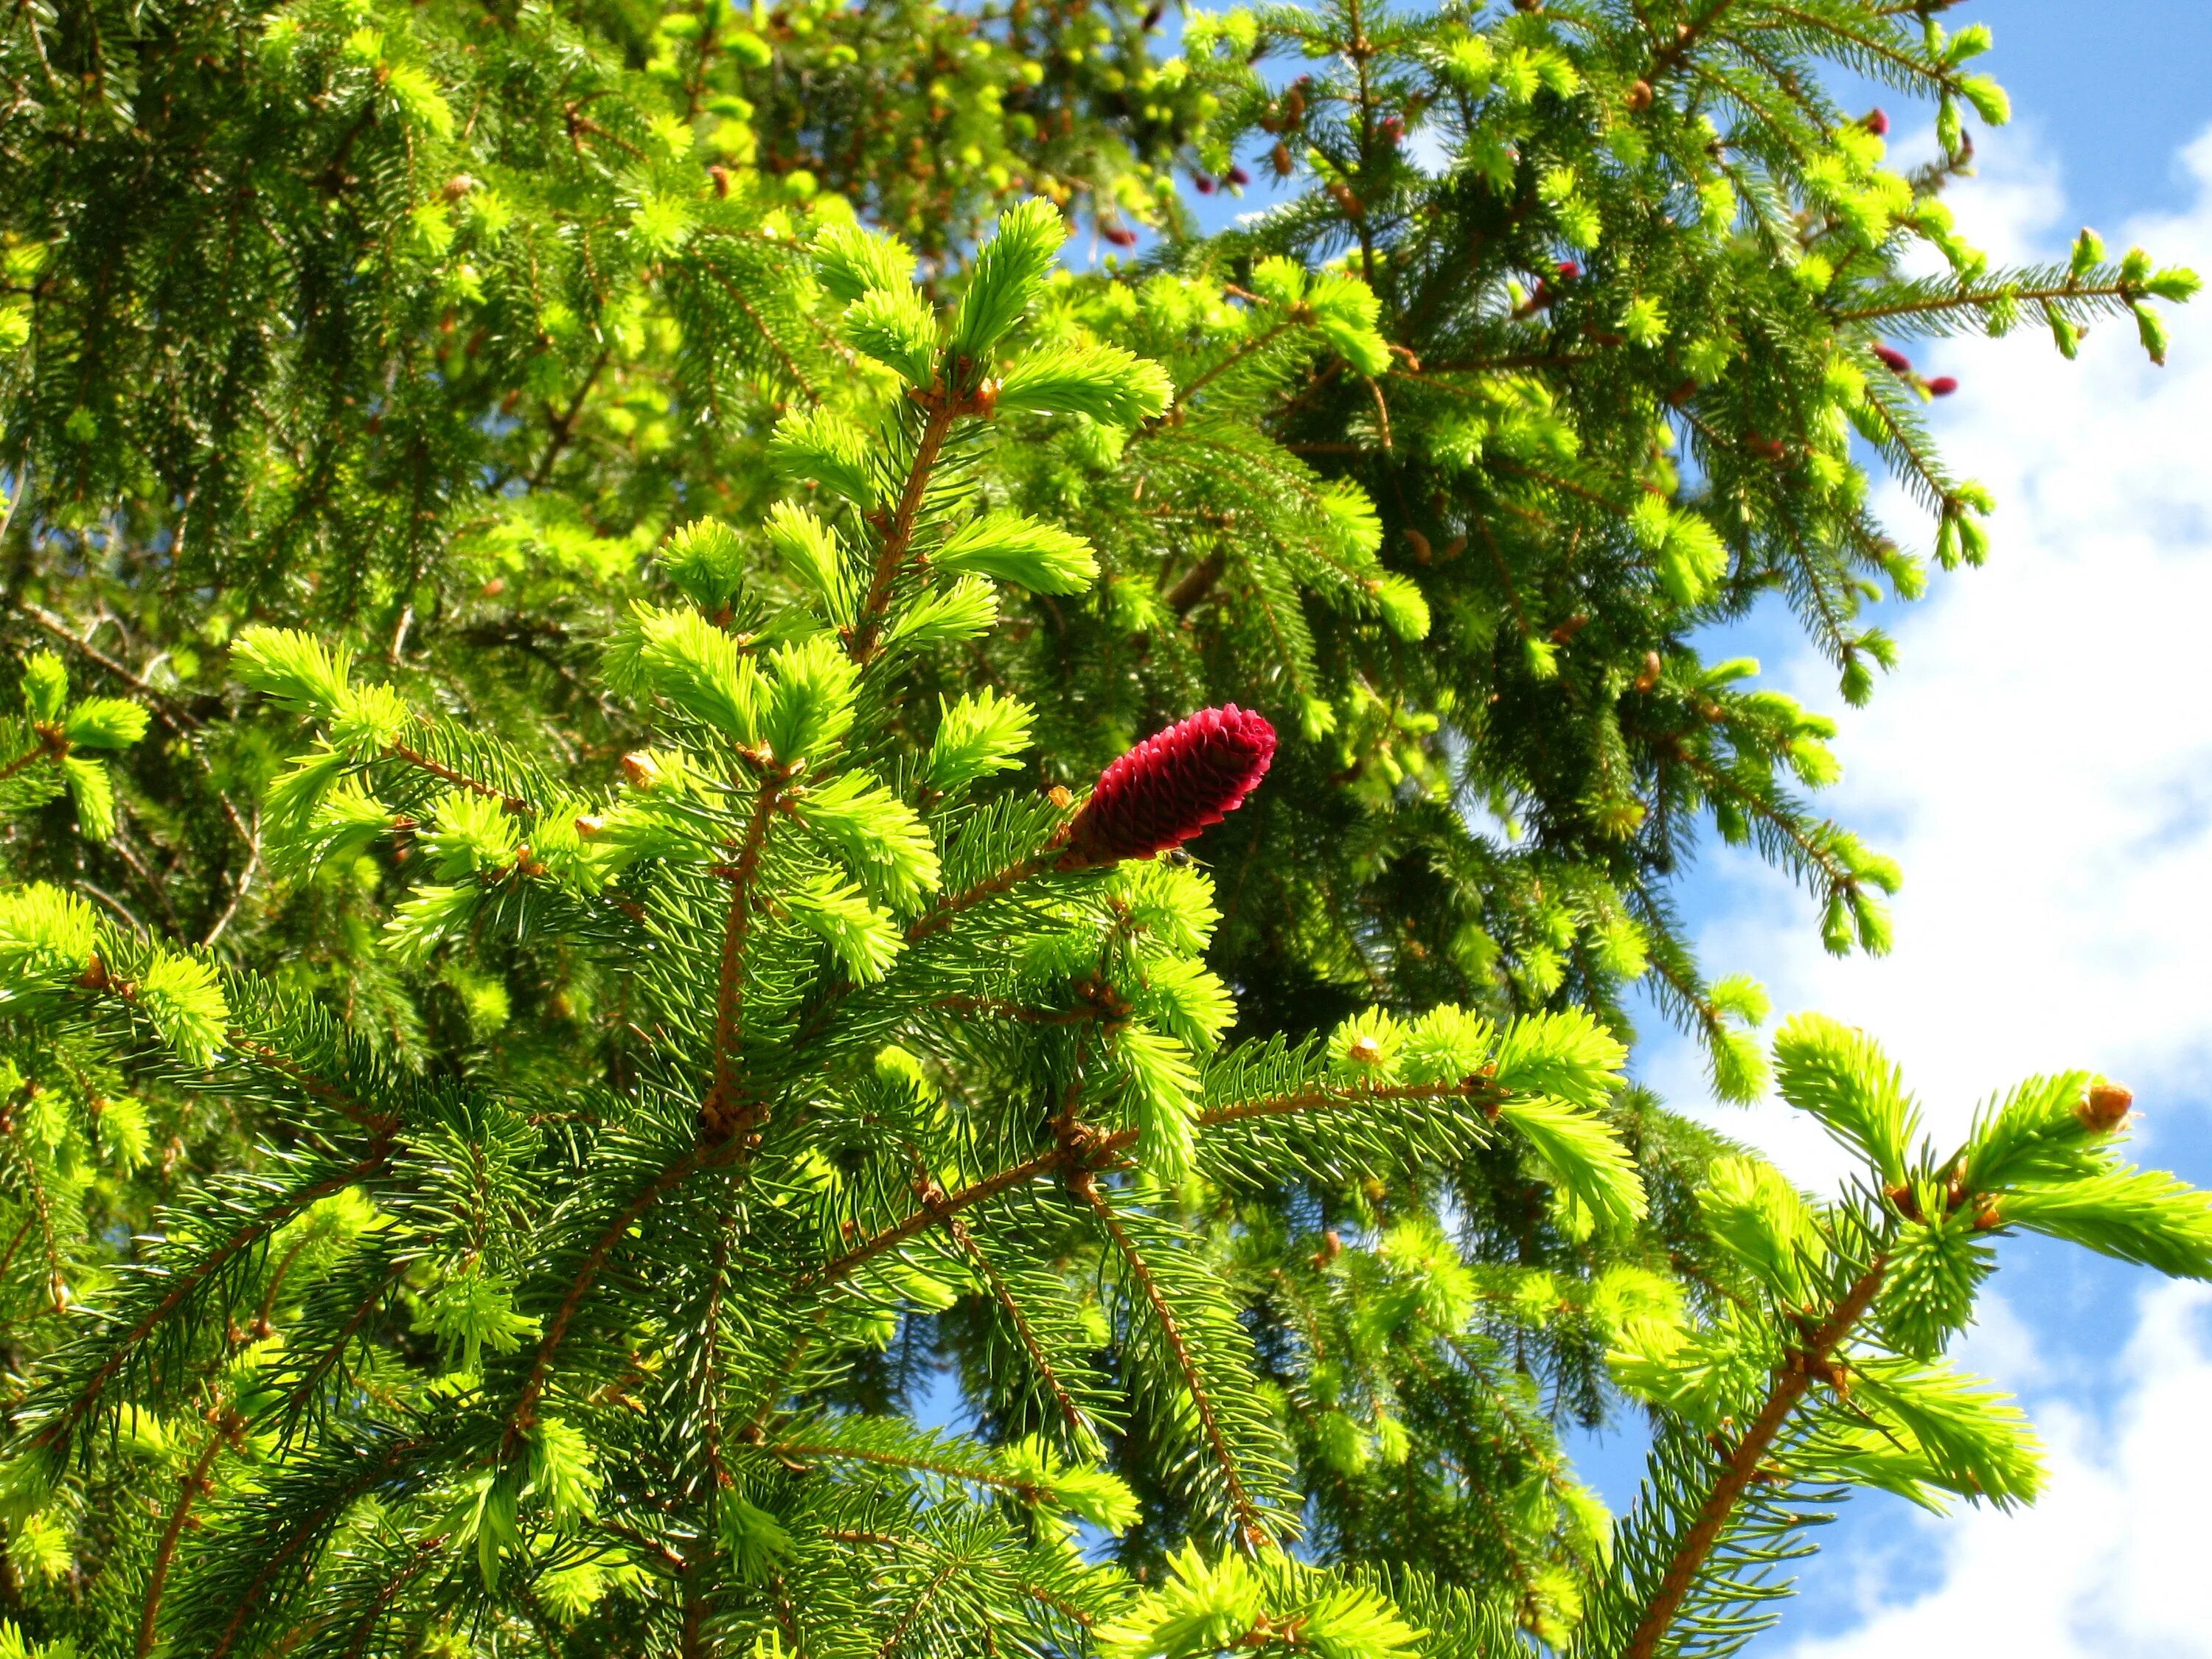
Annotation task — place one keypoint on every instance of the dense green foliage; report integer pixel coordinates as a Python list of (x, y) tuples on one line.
[(516, 1163)]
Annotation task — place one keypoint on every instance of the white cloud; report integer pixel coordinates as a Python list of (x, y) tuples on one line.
[(2111, 1560), (2041, 766)]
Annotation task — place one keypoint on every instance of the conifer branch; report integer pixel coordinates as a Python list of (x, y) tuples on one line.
[(1982, 299), (942, 412), (523, 1413), (719, 1115), (173, 714), (416, 757), (39, 1210), (1801, 1368), (807, 389), (946, 1468), (276, 1555), (1101, 1149), (57, 1433), (1252, 1531), (27, 759), (1251, 347), (1671, 56), (341, 1101), (194, 1485), (1063, 1397), (930, 1215), (946, 910), (929, 1592), (562, 426), (331, 1355)]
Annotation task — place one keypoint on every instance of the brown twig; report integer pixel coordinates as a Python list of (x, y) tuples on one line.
[(194, 1484), (1791, 1380)]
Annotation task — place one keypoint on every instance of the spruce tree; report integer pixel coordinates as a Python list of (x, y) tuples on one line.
[(487, 348), (590, 1363)]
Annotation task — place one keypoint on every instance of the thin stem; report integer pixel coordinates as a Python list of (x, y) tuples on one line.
[(41, 752), (1791, 1380), (1184, 596), (57, 1433), (834, 1453), (1106, 1147), (195, 1483), (1071, 1414), (716, 1115), (276, 1560), (2123, 291), (562, 426), (514, 803), (556, 1328), (928, 1594), (939, 915), (1249, 1521), (1672, 57), (898, 534), (1257, 343)]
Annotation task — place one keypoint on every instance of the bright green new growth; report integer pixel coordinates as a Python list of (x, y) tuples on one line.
[(449, 1232), (897, 1049), (895, 1045), (40, 753)]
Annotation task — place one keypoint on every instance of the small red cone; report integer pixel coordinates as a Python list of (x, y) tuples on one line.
[(1171, 787)]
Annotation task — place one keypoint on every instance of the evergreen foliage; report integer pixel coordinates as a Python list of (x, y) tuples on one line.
[(595, 588)]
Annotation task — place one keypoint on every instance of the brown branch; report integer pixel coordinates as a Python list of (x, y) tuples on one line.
[(1071, 1414), (1260, 342), (250, 1602), (514, 804), (898, 536), (54, 1433), (194, 1484), (8, 1256), (1791, 1380), (562, 428), (1106, 1147), (47, 751), (893, 1641), (1469, 1088), (929, 1215), (796, 1449), (1491, 365), (333, 1353), (338, 1100), (807, 388), (716, 1117), (1184, 596), (1249, 1521), (525, 1406), (424, 1553), (173, 714), (1670, 58), (941, 915)]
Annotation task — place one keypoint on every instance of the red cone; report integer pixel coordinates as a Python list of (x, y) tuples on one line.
[(1942, 387), (1893, 360), (1170, 786)]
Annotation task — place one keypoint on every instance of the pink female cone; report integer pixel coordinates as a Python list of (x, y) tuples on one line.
[(1170, 786)]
